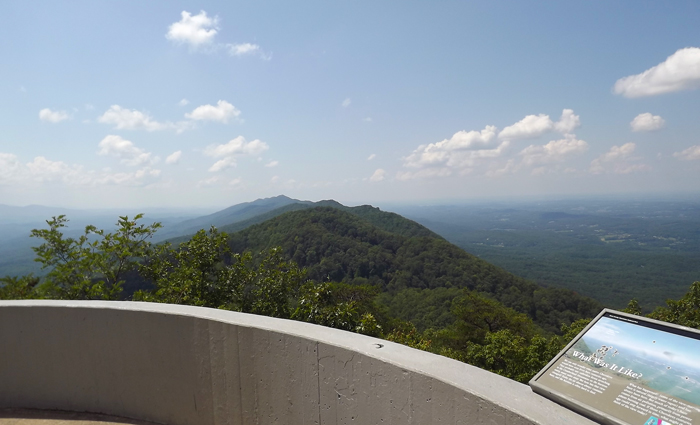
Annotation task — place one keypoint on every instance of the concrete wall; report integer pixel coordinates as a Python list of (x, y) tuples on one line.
[(187, 365)]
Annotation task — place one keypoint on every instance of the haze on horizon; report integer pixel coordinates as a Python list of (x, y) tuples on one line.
[(202, 104)]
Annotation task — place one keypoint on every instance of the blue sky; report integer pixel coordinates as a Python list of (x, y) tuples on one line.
[(179, 104)]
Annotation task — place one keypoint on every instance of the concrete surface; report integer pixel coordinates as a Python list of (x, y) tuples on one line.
[(48, 417), (176, 365)]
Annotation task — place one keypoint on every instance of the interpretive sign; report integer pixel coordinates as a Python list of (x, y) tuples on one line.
[(626, 369)]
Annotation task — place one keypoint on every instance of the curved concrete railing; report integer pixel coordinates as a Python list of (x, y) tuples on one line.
[(188, 365)]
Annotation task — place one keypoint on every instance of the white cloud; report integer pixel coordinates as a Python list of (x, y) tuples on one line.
[(568, 122), (236, 182), (237, 146), (222, 112), (173, 158), (124, 150), (229, 151), (346, 102), (442, 152), (48, 115), (183, 102), (139, 177), (223, 164), (10, 168), (274, 179), (127, 119), (45, 171), (680, 71), (371, 157), (529, 127), (691, 153), (272, 164), (554, 151), (509, 167), (533, 126), (196, 31), (242, 49), (209, 182), (647, 122), (618, 160), (378, 175), (367, 119)]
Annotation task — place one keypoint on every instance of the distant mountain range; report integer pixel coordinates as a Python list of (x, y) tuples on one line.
[(364, 245)]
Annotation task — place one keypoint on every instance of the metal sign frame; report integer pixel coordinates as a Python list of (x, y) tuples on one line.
[(569, 399)]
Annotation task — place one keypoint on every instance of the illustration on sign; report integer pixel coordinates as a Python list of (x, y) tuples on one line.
[(628, 370)]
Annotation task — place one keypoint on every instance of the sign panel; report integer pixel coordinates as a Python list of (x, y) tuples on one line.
[(626, 369)]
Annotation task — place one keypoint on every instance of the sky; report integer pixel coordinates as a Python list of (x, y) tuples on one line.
[(108, 104)]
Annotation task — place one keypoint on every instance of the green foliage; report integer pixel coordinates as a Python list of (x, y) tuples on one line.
[(478, 315), (204, 272), (19, 288), (473, 311), (406, 333), (335, 245), (92, 266), (339, 306), (684, 312)]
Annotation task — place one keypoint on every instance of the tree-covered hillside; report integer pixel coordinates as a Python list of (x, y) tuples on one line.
[(344, 246), (459, 319)]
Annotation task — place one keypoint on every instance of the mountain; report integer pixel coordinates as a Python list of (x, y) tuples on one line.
[(363, 245), (233, 214)]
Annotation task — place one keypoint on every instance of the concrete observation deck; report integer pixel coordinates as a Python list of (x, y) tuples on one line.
[(181, 365)]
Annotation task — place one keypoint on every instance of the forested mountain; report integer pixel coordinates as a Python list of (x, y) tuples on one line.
[(228, 216), (363, 245)]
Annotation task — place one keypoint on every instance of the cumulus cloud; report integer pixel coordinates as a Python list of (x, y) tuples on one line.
[(509, 167), (528, 128), (222, 112), (40, 170), (173, 158), (45, 171), (346, 103), (618, 160), (378, 175), (554, 151), (124, 150), (183, 102), (680, 71), (10, 168), (196, 31), (568, 122), (48, 115), (689, 154), (139, 177), (448, 149), (234, 148), (647, 122), (237, 146), (242, 49), (371, 157), (272, 164), (533, 126), (128, 119), (223, 164)]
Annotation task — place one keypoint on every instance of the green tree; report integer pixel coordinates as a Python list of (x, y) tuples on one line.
[(204, 272), (684, 312), (19, 288), (92, 266), (340, 306), (478, 315)]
